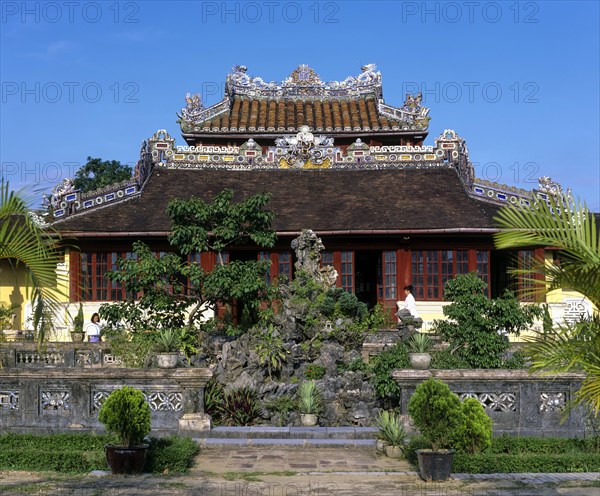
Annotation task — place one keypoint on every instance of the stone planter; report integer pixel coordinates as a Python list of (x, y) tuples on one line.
[(167, 360), (380, 445), (77, 337), (393, 451), (126, 460), (435, 465), (308, 419), (419, 361)]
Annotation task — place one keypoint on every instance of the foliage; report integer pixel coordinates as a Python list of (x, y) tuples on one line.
[(446, 359), (168, 340), (81, 453), (474, 433), (98, 173), (309, 398), (573, 346), (172, 454), (171, 291), (570, 227), (135, 349), (420, 343), (78, 320), (269, 349), (314, 372), (509, 454), (435, 411), (126, 414), (213, 401), (282, 405), (390, 429), (240, 406), (356, 365), (26, 245), (516, 361), (389, 359), (6, 316), (477, 326)]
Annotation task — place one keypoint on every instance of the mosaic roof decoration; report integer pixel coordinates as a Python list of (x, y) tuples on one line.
[(251, 104)]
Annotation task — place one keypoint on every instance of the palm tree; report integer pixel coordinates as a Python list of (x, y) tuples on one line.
[(26, 245), (571, 228)]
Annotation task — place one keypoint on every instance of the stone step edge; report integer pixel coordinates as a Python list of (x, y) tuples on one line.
[(289, 433), (257, 442)]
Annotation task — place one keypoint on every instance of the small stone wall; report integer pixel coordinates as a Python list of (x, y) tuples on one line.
[(61, 388), (519, 403)]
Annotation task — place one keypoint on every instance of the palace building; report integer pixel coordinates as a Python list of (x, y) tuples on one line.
[(337, 159)]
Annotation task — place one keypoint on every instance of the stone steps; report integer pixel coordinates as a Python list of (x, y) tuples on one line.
[(316, 437)]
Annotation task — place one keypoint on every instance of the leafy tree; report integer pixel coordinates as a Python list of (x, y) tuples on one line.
[(172, 291), (477, 326), (27, 245), (569, 226), (98, 173)]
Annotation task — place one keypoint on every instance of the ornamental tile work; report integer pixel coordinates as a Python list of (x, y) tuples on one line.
[(495, 402), (9, 399), (164, 399), (552, 401), (55, 401)]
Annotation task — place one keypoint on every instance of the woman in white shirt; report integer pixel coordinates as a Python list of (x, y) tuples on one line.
[(409, 300), (93, 329)]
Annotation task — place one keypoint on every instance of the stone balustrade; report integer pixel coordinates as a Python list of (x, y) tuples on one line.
[(518, 402), (63, 386)]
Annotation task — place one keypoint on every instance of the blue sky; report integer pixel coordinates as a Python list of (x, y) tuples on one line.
[(518, 80)]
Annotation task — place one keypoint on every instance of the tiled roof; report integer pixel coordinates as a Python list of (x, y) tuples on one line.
[(272, 114), (320, 199)]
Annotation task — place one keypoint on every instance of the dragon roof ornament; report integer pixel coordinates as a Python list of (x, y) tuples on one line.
[(303, 81)]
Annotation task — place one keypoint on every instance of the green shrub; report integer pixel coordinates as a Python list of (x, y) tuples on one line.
[(395, 357), (240, 406), (314, 372), (213, 401), (477, 326), (390, 429), (356, 365), (516, 361), (435, 411), (415, 443), (486, 463), (173, 454), (309, 399), (474, 432), (126, 414), (548, 445), (445, 359)]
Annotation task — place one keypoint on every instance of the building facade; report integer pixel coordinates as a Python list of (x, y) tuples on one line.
[(337, 159)]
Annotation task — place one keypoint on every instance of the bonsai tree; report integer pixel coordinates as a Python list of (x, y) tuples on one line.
[(126, 414), (436, 412), (474, 433)]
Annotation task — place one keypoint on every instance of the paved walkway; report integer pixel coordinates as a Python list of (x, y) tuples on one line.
[(296, 472)]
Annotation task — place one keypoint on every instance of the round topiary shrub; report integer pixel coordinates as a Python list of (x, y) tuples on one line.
[(126, 414), (436, 412), (474, 433)]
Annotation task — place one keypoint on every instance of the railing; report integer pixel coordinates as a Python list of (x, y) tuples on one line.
[(518, 402), (63, 387)]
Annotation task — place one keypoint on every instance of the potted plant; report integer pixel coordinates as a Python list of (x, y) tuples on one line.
[(77, 333), (126, 415), (419, 345), (168, 343), (309, 403), (436, 412), (391, 434)]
